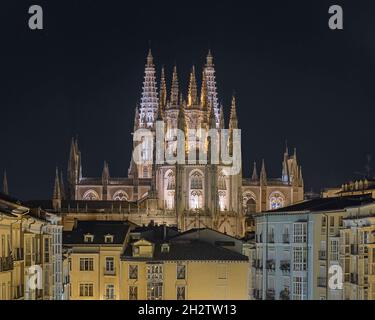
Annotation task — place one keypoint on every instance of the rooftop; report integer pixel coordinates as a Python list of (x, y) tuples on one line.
[(328, 204), (99, 229)]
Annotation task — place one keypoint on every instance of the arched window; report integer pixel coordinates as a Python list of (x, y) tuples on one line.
[(276, 200), (171, 184), (222, 200), (221, 182), (120, 195), (91, 195), (250, 206), (196, 199), (196, 181)]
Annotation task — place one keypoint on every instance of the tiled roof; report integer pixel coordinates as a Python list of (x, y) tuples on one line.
[(189, 251), (118, 229)]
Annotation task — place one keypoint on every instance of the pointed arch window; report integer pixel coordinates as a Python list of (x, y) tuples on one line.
[(222, 183), (120, 195), (171, 184), (276, 200), (196, 199), (196, 181), (91, 195)]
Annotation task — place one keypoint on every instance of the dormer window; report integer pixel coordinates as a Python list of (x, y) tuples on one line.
[(165, 248), (89, 238), (108, 238)]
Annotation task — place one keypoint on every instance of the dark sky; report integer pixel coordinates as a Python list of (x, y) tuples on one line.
[(294, 79)]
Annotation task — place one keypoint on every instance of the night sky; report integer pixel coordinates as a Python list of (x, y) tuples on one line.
[(294, 79)]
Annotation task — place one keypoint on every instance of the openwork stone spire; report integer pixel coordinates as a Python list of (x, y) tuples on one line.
[(149, 100), (209, 71), (56, 189)]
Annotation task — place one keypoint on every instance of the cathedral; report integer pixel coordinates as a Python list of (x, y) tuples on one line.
[(188, 195)]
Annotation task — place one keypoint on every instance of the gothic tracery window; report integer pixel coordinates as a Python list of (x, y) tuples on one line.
[(196, 199), (222, 200), (276, 200), (222, 182), (171, 181), (120, 196), (196, 181), (91, 195)]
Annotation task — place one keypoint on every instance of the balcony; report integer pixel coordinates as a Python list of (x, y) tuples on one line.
[(286, 238), (110, 297), (270, 294), (6, 264), (322, 255), (18, 254), (285, 294), (109, 272), (322, 282), (285, 266), (270, 265)]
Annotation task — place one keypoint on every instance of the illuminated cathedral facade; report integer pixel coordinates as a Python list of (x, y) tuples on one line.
[(190, 195)]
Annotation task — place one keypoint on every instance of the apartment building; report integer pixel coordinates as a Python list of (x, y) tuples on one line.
[(297, 248), (30, 242)]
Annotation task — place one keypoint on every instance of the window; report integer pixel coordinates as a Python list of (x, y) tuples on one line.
[(276, 201), (120, 196), (196, 181), (299, 288), (88, 238), (108, 239), (46, 250), (110, 292), (250, 206), (171, 185), (222, 200), (332, 221), (334, 250), (110, 264), (133, 293), (299, 232), (222, 183), (181, 271), (341, 221), (196, 200), (155, 272), (181, 293), (299, 259), (91, 195), (133, 272), (86, 290), (86, 264), (154, 291)]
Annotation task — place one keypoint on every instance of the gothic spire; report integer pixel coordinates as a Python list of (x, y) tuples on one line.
[(300, 177), (105, 173), (233, 123), (204, 89), (62, 186), (193, 92), (174, 87), (254, 176), (56, 189), (5, 184), (163, 90), (263, 174), (149, 99), (136, 119), (222, 119), (209, 72)]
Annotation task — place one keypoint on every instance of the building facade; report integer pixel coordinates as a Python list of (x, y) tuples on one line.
[(298, 250), (190, 194), (111, 260), (30, 256)]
